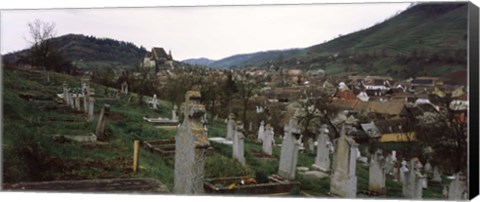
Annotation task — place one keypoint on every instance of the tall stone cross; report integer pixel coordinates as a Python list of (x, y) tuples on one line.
[(289, 152), (191, 143)]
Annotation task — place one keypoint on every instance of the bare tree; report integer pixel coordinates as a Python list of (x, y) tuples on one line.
[(40, 32)]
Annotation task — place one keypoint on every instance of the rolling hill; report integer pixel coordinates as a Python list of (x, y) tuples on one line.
[(426, 39), (88, 52)]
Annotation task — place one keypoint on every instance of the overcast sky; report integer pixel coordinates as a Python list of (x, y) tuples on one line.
[(212, 32)]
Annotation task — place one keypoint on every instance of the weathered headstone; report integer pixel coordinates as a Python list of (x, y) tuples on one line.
[(268, 140), (191, 143), (72, 100), (344, 181), (238, 143), (91, 104), (154, 101), (403, 171), (65, 92), (77, 102), (86, 97), (261, 132), (427, 168), (436, 175), (289, 151), (413, 183), (102, 120), (124, 89), (311, 145), (376, 180), (174, 113), (457, 188), (230, 126), (322, 160)]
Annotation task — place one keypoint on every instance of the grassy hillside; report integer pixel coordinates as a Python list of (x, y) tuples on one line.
[(30, 154)]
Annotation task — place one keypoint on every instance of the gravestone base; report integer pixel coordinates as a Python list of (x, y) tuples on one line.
[(233, 185)]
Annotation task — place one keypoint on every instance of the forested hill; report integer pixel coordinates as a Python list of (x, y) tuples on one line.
[(88, 52)]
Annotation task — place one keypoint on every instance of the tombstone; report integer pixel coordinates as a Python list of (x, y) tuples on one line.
[(289, 152), (377, 174), (250, 126), (77, 102), (268, 140), (102, 120), (403, 171), (174, 113), (457, 188), (86, 97), (261, 132), (124, 87), (154, 101), (394, 155), (238, 143), (322, 160), (230, 126), (91, 104), (72, 100), (65, 91), (191, 143), (311, 145), (427, 168), (413, 183), (344, 181), (436, 175)]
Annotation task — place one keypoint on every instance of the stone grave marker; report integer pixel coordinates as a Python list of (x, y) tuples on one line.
[(427, 168), (102, 120), (261, 132), (311, 145), (377, 174), (91, 104), (268, 140), (174, 113), (124, 87), (403, 171), (86, 98), (230, 126), (65, 92), (413, 183), (238, 143), (436, 175), (322, 160), (289, 152), (344, 181), (191, 144), (457, 189), (77, 102), (154, 101)]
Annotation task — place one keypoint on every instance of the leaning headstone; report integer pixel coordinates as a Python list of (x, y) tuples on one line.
[(261, 132), (344, 181), (376, 180), (457, 188), (102, 120), (322, 160), (238, 143), (413, 183), (436, 175), (91, 104), (230, 126), (191, 143), (289, 152), (268, 140)]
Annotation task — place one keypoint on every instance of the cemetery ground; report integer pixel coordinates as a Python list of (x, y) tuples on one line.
[(30, 154)]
